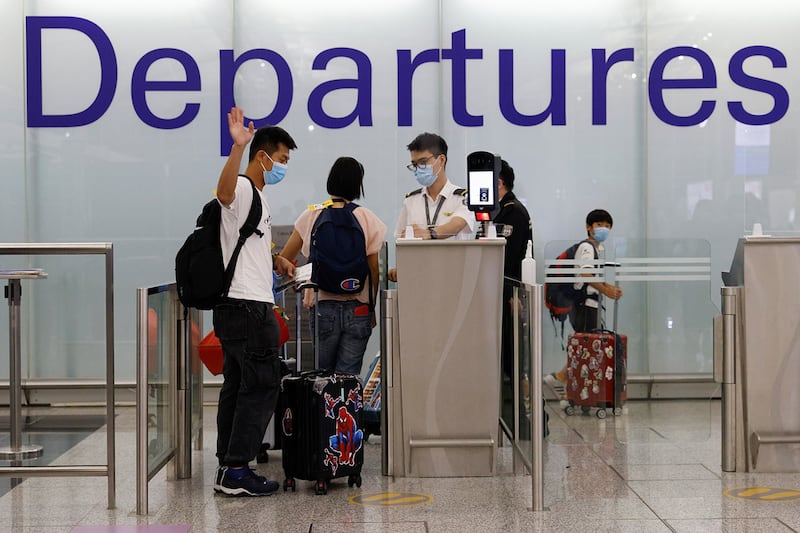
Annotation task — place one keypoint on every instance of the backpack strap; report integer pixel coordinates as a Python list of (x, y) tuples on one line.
[(249, 227), (352, 207)]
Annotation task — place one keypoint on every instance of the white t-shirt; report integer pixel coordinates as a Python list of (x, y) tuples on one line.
[(454, 205), (252, 279), (585, 253)]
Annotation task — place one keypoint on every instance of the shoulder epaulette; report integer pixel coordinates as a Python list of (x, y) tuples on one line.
[(412, 193), (460, 192), (508, 203)]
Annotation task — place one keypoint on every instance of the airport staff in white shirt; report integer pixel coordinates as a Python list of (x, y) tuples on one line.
[(438, 210)]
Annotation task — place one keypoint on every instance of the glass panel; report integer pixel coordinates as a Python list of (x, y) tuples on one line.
[(196, 369), (160, 345), (668, 311), (523, 338), (665, 320), (515, 408)]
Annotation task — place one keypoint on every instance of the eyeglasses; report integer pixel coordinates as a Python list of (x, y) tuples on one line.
[(422, 163)]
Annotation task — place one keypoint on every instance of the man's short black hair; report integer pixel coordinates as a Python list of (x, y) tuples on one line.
[(428, 141), (507, 174), (599, 215), (268, 138), (346, 179)]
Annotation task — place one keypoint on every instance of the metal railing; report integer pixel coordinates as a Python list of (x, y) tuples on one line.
[(108, 469)]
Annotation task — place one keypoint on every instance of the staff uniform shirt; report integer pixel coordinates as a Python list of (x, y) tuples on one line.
[(374, 232), (513, 213), (584, 254), (252, 279), (454, 205)]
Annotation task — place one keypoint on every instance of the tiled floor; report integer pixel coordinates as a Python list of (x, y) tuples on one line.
[(655, 468)]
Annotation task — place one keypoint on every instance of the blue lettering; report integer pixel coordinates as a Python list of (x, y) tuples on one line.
[(405, 75), (778, 92), (362, 85), (557, 109), (458, 54), (108, 71), (140, 85), (227, 72), (600, 68), (658, 84)]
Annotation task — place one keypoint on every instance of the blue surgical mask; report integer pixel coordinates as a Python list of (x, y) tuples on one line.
[(274, 176), (601, 234), (425, 176)]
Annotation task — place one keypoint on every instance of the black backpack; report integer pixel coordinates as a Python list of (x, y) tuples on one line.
[(200, 273), (338, 252)]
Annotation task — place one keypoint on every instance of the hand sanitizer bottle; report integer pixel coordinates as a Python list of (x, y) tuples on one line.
[(529, 266)]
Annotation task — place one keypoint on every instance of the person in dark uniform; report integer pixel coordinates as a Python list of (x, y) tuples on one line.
[(511, 213)]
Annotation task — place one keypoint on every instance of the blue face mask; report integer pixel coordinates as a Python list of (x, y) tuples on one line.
[(601, 234), (276, 175), (425, 176)]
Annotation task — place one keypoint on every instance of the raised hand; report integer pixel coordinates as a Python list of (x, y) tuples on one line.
[(240, 134)]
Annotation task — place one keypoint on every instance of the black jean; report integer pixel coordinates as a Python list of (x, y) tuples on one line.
[(583, 319), (249, 335)]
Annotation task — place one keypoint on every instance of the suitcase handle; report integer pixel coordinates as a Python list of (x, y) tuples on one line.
[(317, 372), (602, 330)]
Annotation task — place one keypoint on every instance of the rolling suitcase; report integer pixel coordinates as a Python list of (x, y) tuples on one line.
[(596, 378), (596, 371), (321, 426), (371, 415)]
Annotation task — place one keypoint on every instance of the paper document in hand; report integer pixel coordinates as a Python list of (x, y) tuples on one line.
[(302, 274)]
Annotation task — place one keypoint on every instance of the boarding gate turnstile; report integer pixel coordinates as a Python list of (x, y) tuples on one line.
[(442, 328), (757, 357)]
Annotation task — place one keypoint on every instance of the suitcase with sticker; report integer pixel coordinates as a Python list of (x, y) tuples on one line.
[(597, 369), (596, 372), (321, 428)]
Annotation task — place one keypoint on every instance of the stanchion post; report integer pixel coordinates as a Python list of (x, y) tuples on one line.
[(535, 302), (729, 320)]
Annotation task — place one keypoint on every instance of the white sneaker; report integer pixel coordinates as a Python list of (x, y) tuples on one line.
[(557, 387)]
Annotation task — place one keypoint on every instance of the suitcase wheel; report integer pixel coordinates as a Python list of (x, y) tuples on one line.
[(354, 479), (569, 410), (321, 487), (601, 413), (289, 482), (585, 409)]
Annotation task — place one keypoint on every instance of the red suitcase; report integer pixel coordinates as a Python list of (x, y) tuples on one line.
[(596, 372)]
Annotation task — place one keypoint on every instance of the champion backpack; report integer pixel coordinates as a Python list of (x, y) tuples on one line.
[(560, 298), (200, 273), (338, 252)]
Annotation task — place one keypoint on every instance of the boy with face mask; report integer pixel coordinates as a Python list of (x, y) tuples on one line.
[(584, 316), (244, 320)]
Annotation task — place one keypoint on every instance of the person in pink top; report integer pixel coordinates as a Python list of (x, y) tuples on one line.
[(345, 320)]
